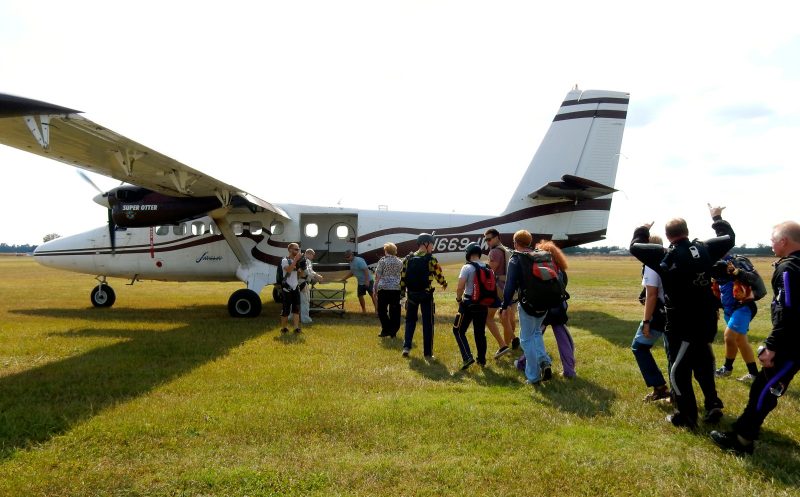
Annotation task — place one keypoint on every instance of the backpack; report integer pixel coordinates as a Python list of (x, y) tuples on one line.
[(685, 275), (417, 272), (757, 286), (541, 288), (484, 286), (279, 273)]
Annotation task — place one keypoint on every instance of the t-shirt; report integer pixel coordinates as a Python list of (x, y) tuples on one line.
[(498, 256), (651, 278), (289, 279), (468, 272), (357, 266)]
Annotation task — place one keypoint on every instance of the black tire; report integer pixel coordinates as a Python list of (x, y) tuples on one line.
[(244, 303), (103, 296), (277, 294)]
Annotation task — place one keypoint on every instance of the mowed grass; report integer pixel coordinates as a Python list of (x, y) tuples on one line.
[(164, 394)]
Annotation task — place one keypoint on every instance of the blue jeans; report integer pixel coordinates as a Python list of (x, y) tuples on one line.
[(532, 343), (641, 346)]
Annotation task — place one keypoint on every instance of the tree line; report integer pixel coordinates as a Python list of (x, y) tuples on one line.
[(16, 249), (760, 249)]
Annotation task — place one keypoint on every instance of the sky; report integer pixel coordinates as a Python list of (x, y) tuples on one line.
[(352, 103)]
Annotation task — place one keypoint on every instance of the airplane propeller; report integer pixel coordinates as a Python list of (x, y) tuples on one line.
[(89, 180), (102, 199)]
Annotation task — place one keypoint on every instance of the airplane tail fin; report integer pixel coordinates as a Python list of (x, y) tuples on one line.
[(576, 164)]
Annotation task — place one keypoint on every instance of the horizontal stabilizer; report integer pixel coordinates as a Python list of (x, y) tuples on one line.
[(573, 188)]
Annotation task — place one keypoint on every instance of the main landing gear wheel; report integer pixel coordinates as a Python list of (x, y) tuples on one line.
[(103, 296), (244, 303)]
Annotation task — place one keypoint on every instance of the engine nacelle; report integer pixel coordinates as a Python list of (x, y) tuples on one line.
[(136, 207)]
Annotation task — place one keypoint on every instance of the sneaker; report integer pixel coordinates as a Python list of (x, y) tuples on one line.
[(469, 362), (657, 394), (515, 343), (722, 372), (520, 363), (406, 352), (284, 330), (429, 359), (677, 419), (730, 441), (298, 331), (748, 378), (501, 352), (713, 415), (547, 371)]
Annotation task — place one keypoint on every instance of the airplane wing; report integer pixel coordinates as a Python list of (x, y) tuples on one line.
[(573, 188), (64, 135)]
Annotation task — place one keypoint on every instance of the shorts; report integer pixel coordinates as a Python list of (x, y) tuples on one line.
[(739, 319), (291, 302), (365, 289)]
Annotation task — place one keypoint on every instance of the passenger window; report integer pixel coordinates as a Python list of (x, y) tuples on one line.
[(162, 230), (198, 229), (256, 227), (312, 230), (212, 228), (276, 228), (342, 232), (237, 227), (179, 229)]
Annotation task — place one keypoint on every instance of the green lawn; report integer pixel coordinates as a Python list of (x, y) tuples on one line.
[(164, 394)]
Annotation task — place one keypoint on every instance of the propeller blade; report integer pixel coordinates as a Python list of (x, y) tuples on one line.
[(89, 180)]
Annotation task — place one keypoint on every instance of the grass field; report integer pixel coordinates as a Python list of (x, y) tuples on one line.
[(164, 394)]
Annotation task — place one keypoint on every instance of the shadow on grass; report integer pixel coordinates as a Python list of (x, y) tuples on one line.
[(776, 457), (291, 338), (577, 396), (614, 330), (392, 343), (488, 376), (45, 401)]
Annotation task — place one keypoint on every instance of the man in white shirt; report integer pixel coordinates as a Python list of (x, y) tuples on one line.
[(307, 277)]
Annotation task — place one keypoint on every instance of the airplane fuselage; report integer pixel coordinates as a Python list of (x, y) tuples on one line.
[(197, 251)]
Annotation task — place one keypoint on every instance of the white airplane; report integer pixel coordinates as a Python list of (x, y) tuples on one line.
[(173, 223)]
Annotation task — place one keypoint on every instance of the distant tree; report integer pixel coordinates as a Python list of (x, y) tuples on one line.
[(591, 250), (16, 249), (760, 249), (50, 236)]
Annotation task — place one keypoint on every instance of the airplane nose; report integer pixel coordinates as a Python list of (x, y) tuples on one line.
[(102, 199)]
